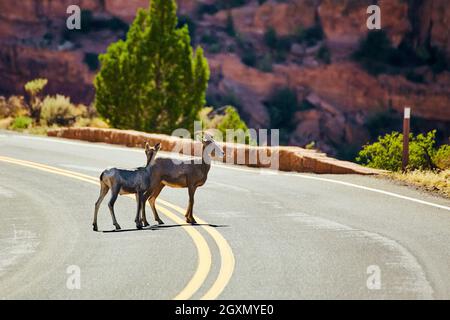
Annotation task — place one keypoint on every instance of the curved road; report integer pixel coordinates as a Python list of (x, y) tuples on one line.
[(262, 234)]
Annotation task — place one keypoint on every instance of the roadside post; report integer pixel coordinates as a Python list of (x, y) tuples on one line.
[(406, 127)]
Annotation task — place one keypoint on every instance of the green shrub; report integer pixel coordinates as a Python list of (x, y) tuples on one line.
[(377, 55), (21, 122), (311, 145), (231, 99), (248, 55), (60, 111), (386, 153), (215, 48), (284, 43), (273, 41), (228, 4), (324, 55), (35, 86), (310, 36), (114, 24), (217, 100), (209, 38), (422, 151), (229, 28), (86, 21), (282, 104), (231, 120), (205, 8), (91, 59), (48, 38), (249, 58), (414, 77), (270, 38), (438, 61), (442, 157), (184, 20), (306, 105), (265, 63), (374, 52), (223, 119)]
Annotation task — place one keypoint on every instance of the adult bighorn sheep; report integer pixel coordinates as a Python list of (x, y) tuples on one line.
[(122, 181), (185, 174)]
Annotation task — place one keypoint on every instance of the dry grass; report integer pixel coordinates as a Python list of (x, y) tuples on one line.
[(429, 180), (91, 122), (6, 123)]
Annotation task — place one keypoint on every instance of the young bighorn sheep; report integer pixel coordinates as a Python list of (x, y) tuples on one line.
[(122, 181), (187, 174)]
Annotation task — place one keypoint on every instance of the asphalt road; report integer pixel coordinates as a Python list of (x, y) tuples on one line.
[(262, 234)]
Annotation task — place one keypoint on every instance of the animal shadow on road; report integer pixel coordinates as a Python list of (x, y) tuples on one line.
[(167, 226)]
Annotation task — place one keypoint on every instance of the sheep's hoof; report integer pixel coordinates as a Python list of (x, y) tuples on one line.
[(191, 221), (94, 227), (146, 224), (139, 226), (117, 227), (160, 222)]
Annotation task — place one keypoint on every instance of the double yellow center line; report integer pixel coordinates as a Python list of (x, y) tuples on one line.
[(203, 251)]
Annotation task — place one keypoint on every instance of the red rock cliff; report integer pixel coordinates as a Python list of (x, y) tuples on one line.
[(33, 44)]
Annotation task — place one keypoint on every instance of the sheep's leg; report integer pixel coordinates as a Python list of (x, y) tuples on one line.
[(144, 216), (152, 201), (103, 191), (189, 214), (114, 194), (139, 197)]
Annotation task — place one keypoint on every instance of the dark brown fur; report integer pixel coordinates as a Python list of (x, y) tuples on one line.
[(123, 181)]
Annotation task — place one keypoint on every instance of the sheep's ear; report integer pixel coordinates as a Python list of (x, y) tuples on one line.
[(208, 137), (157, 146), (147, 146), (198, 135)]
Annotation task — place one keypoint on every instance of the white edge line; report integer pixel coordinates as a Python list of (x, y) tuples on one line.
[(348, 184)]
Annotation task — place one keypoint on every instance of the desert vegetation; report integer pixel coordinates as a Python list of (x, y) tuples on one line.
[(377, 56), (429, 165), (154, 77), (319, 49), (162, 80), (36, 112), (152, 81)]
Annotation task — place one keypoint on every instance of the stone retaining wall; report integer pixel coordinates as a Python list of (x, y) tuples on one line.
[(281, 158)]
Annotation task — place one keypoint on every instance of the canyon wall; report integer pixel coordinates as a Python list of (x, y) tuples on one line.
[(34, 43)]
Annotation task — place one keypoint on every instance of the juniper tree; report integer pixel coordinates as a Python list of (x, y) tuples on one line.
[(152, 81)]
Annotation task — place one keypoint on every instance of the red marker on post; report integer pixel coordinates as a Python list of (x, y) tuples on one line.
[(406, 120)]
